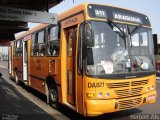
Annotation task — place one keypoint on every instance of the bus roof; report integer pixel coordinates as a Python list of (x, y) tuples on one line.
[(83, 8)]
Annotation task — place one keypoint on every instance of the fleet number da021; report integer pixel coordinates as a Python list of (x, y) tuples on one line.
[(95, 85)]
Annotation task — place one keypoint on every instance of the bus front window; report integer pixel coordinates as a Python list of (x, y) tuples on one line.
[(109, 54), (142, 50)]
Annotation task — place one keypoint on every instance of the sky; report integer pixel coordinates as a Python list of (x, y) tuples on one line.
[(150, 8)]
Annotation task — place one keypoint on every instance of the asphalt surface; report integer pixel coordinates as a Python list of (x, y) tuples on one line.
[(23, 103), (12, 103)]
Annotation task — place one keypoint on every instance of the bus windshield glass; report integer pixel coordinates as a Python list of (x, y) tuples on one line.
[(113, 52)]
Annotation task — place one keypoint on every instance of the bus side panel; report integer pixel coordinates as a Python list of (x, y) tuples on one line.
[(38, 72), (54, 70), (37, 84), (17, 65)]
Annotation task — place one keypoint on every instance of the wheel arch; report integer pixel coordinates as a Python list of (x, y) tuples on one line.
[(50, 82)]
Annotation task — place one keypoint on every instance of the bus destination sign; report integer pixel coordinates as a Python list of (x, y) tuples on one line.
[(118, 14), (125, 17), (100, 13)]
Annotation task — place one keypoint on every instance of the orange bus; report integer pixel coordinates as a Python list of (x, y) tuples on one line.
[(98, 59)]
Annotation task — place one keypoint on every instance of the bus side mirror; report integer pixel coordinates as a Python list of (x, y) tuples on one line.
[(155, 41), (81, 50), (89, 39), (89, 35)]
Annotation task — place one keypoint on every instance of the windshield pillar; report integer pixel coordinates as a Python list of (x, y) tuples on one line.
[(128, 39)]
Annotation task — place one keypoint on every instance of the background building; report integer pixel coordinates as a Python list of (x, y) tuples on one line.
[(157, 57), (4, 53)]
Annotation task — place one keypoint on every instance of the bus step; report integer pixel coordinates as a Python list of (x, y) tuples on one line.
[(25, 82)]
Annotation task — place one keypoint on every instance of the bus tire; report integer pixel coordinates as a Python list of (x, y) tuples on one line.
[(0, 74), (53, 96), (16, 79)]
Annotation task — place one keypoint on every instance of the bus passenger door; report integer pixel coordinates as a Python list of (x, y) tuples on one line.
[(25, 61), (71, 53)]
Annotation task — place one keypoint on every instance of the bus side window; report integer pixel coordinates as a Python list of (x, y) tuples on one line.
[(21, 47), (38, 45), (53, 42), (32, 44), (15, 46), (18, 48)]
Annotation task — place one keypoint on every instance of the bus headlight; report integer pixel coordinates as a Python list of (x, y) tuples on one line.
[(99, 94), (148, 88), (107, 95), (152, 87)]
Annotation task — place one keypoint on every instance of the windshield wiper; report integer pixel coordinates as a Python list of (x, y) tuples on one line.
[(112, 24), (135, 29)]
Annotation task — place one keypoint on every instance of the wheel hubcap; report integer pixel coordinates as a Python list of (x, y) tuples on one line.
[(53, 95)]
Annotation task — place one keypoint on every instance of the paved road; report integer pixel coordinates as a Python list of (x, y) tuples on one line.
[(15, 101), (12, 103), (22, 102)]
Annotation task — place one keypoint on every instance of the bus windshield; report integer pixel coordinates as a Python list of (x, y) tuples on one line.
[(115, 53)]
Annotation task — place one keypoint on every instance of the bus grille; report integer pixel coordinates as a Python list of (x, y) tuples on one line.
[(128, 92), (127, 84), (118, 85), (141, 82), (128, 104)]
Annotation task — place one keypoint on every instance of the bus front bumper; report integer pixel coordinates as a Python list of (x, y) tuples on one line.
[(98, 107)]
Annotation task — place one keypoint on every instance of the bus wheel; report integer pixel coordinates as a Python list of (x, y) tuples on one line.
[(53, 97), (16, 79), (0, 74)]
